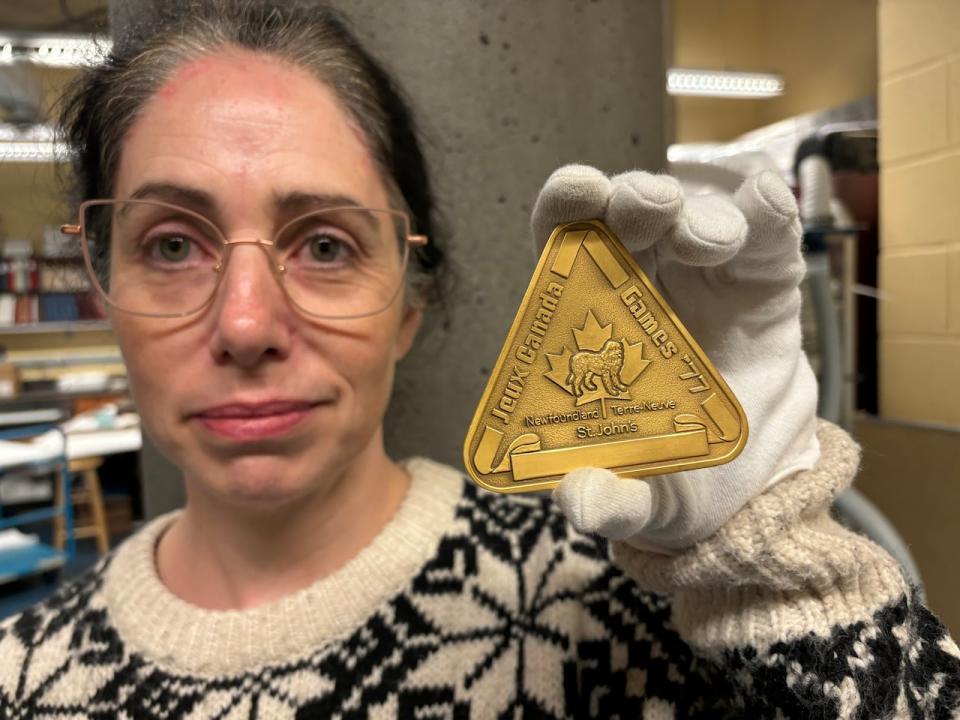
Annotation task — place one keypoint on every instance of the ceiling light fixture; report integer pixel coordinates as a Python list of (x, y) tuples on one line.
[(723, 83), (52, 50)]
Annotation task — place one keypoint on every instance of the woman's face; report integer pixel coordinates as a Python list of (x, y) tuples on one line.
[(252, 399)]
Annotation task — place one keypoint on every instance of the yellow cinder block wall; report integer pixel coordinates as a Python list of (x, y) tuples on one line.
[(919, 101), (824, 49)]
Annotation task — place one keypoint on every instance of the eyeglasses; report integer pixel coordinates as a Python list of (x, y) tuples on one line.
[(160, 260)]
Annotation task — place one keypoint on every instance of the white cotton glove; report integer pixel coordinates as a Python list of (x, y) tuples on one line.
[(730, 269)]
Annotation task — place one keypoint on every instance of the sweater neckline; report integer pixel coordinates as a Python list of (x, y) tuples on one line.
[(181, 637)]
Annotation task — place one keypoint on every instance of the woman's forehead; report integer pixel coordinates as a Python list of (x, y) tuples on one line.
[(235, 69), (239, 116)]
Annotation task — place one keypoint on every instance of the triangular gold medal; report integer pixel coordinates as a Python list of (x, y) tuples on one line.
[(598, 371)]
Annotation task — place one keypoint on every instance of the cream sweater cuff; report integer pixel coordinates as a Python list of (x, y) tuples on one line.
[(779, 569)]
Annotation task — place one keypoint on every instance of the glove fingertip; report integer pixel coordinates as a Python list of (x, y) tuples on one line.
[(643, 208), (710, 231), (774, 219), (767, 194), (598, 502), (649, 188), (573, 192)]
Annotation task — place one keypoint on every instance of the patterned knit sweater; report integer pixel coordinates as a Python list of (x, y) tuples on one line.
[(470, 605)]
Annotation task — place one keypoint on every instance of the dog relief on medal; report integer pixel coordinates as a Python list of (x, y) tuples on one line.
[(597, 371)]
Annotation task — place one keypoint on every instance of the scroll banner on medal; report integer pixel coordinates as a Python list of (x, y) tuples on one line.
[(598, 371)]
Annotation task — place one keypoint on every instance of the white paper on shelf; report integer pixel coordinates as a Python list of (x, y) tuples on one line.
[(23, 489), (47, 446), (88, 435), (103, 442), (93, 381), (11, 539), (25, 417), (100, 418)]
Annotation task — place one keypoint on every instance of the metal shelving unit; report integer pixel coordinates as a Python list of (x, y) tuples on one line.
[(38, 557)]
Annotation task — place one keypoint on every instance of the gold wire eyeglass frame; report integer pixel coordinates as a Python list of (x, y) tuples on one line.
[(267, 246)]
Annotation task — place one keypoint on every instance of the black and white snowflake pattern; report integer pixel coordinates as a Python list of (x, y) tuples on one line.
[(514, 616)]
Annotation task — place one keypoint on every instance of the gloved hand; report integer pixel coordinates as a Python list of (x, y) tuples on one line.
[(730, 269)]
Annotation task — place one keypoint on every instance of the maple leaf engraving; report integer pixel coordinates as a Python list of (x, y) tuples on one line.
[(591, 340), (560, 368), (592, 336)]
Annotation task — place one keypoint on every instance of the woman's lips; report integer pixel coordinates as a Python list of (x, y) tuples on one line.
[(254, 421)]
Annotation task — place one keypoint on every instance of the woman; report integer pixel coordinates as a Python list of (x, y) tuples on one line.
[(248, 173)]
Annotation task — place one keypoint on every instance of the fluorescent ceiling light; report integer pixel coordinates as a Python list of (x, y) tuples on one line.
[(722, 83), (26, 152), (33, 144), (52, 50)]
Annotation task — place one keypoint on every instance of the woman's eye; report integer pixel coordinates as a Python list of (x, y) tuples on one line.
[(174, 248), (325, 248)]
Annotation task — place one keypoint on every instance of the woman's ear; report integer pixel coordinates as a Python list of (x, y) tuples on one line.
[(409, 325)]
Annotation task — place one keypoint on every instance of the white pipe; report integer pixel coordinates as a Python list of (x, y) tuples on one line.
[(816, 189)]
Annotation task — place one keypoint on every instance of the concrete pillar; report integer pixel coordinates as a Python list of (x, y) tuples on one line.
[(505, 92)]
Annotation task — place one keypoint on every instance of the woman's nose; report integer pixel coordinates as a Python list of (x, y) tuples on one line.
[(250, 312)]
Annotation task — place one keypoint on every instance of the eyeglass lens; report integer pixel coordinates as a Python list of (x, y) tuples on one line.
[(158, 259)]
